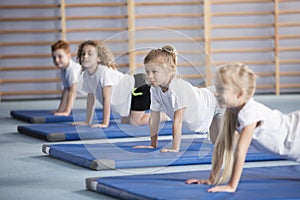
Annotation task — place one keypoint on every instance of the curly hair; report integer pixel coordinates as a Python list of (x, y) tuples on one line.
[(103, 52)]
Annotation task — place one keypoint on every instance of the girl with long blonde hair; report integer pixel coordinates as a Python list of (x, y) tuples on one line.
[(247, 121)]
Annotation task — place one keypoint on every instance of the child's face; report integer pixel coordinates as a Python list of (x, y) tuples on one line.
[(157, 74), (89, 57), (61, 59)]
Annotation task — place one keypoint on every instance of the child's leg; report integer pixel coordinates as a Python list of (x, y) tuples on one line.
[(125, 120), (139, 117), (215, 129)]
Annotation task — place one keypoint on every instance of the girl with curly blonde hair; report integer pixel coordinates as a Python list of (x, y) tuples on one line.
[(113, 89)]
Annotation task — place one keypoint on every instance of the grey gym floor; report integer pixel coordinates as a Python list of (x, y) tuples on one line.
[(27, 173)]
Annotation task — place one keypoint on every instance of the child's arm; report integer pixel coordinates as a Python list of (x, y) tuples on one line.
[(176, 130), (106, 92), (68, 96), (70, 99), (90, 108), (63, 102), (239, 159), (153, 124)]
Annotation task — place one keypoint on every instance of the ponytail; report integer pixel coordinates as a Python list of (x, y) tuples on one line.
[(223, 155), (166, 55)]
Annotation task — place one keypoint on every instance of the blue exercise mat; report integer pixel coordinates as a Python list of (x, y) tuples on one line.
[(123, 155), (261, 183), (67, 132), (47, 116)]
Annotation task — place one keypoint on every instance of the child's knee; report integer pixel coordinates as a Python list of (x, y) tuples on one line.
[(142, 119)]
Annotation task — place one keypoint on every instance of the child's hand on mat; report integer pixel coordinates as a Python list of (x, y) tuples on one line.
[(143, 147), (99, 125), (79, 124), (61, 113), (197, 181), (222, 188), (168, 150)]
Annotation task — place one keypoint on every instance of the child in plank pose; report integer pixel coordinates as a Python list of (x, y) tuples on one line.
[(70, 72), (185, 104), (247, 121), (120, 93)]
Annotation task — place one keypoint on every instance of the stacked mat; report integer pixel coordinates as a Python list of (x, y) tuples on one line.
[(261, 183), (122, 154)]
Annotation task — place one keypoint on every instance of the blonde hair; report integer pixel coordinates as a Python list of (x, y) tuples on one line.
[(103, 52), (165, 55), (240, 77)]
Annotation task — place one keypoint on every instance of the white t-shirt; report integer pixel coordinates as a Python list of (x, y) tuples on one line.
[(276, 133), (71, 74), (200, 104), (121, 87)]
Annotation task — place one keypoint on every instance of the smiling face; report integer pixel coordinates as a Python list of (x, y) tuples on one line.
[(157, 74), (89, 58), (60, 58)]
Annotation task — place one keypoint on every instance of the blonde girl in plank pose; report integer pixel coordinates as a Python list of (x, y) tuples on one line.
[(247, 121)]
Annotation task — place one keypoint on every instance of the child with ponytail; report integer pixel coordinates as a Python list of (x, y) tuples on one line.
[(194, 108), (246, 122)]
